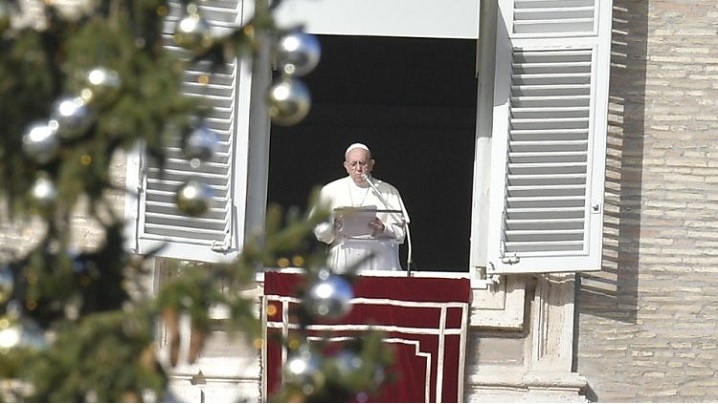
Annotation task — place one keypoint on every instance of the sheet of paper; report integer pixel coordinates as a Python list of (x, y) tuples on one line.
[(354, 222)]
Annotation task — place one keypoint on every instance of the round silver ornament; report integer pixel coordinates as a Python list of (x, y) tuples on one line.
[(43, 191), (71, 116), (41, 142), (193, 197), (17, 333), (303, 369), (289, 101), (7, 284), (298, 53), (193, 32), (346, 363), (103, 85), (73, 10), (329, 297), (201, 143)]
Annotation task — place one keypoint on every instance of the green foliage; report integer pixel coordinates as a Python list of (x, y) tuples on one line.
[(98, 322), (105, 357)]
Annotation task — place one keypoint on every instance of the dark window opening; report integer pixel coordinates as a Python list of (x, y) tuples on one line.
[(413, 102)]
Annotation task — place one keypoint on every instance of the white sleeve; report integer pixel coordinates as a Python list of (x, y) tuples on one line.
[(324, 232), (395, 226)]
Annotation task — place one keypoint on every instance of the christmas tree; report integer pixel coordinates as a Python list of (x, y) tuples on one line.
[(82, 81)]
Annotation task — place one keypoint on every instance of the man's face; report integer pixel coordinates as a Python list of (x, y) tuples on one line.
[(358, 162)]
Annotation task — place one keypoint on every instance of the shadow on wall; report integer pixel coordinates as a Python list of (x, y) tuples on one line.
[(612, 293)]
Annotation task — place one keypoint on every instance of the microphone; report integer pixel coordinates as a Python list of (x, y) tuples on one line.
[(367, 177)]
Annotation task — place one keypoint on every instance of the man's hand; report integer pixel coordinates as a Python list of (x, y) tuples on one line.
[(376, 226)]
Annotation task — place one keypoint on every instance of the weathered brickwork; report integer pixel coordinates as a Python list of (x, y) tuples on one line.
[(648, 324)]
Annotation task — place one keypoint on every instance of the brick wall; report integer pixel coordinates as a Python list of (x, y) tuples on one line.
[(648, 324)]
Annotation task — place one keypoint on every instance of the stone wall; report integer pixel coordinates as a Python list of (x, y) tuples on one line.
[(646, 326)]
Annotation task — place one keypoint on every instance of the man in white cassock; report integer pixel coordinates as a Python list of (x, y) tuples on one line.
[(368, 218)]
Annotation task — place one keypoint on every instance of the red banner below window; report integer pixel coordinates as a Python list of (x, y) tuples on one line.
[(424, 319)]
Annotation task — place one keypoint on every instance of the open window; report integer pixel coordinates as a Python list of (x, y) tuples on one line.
[(501, 171)]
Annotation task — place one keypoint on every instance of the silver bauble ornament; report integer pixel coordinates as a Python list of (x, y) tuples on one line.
[(346, 363), (71, 116), (193, 32), (102, 86), (329, 297), (43, 191), (7, 284), (41, 142), (18, 333), (289, 101), (201, 143), (298, 53), (193, 197), (303, 369), (73, 10)]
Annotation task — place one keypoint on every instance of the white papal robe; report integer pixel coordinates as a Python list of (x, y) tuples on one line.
[(374, 252)]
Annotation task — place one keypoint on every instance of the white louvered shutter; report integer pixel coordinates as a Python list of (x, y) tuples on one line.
[(217, 235), (548, 136)]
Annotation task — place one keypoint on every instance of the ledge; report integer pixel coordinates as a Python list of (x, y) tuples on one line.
[(530, 380)]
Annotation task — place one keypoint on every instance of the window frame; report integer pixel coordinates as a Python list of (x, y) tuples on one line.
[(249, 187)]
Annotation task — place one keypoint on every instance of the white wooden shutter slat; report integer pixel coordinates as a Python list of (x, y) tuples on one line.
[(554, 67), (213, 93), (539, 180), (207, 223), (541, 225), (575, 101), (549, 135), (545, 246), (545, 201), (558, 91), (167, 209), (221, 78), (176, 162), (548, 157), (543, 26), (550, 123), (526, 237), (216, 179), (551, 14), (162, 227), (198, 235), (553, 17), (562, 57), (177, 165), (166, 191), (549, 111), (534, 190), (552, 169), (545, 214)]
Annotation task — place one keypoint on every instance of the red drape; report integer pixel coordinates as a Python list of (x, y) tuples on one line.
[(424, 319)]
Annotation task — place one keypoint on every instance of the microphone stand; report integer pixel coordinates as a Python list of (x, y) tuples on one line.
[(401, 218)]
